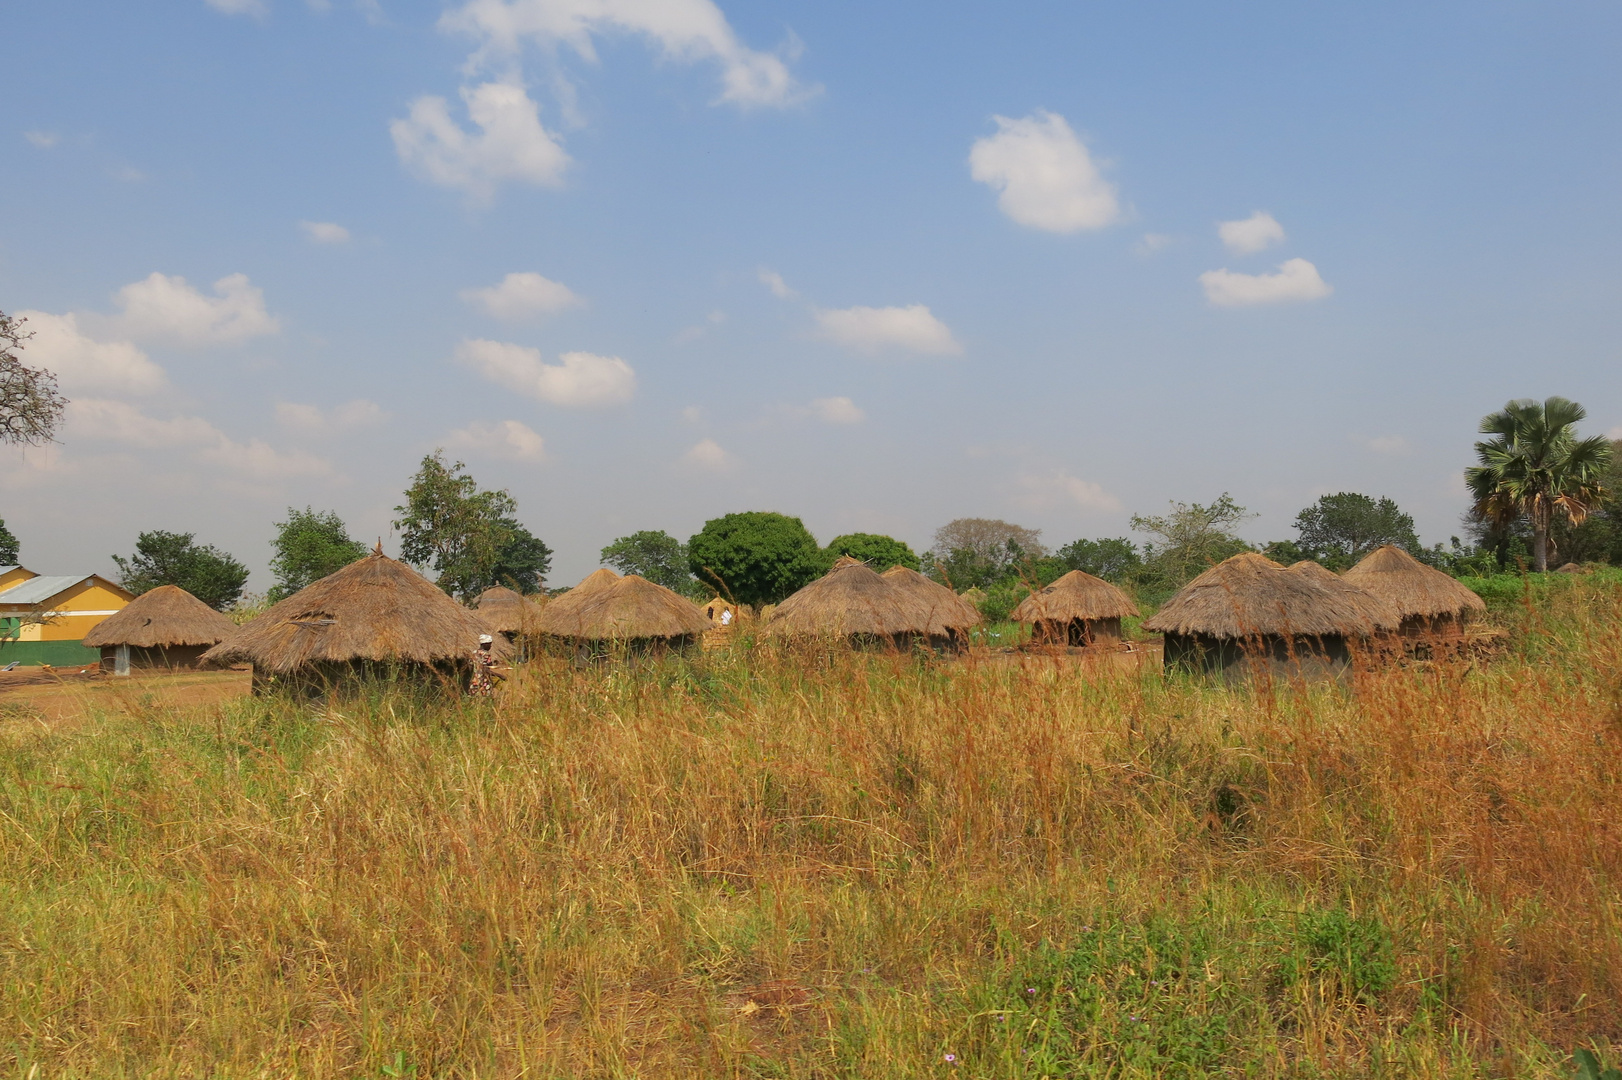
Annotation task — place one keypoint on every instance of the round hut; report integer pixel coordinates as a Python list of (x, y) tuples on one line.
[(560, 609), (1375, 608), (375, 617), (1429, 602), (630, 612), (164, 629), (852, 602), (509, 613), (1078, 609), (1249, 612), (950, 615)]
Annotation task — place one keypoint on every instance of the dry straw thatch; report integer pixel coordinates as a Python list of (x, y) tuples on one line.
[(631, 608), (849, 600), (376, 609), (1379, 611), (1077, 595), (1251, 596), (1414, 589), (164, 617), (504, 611), (559, 610), (949, 613)]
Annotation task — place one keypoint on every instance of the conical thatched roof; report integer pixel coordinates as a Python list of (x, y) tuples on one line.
[(630, 608), (1412, 587), (164, 617), (947, 610), (1250, 595), (1077, 595), (850, 599), (1376, 609), (504, 611), (559, 611), (373, 609)]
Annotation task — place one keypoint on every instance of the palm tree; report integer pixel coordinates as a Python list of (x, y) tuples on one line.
[(1534, 465)]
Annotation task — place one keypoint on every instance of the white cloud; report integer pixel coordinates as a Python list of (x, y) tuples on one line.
[(239, 7), (359, 413), (1394, 445), (1154, 242), (100, 419), (507, 439), (325, 232), (1047, 178), (1255, 233), (582, 379), (870, 329), (1296, 280), (80, 361), (1060, 488), (708, 455), (687, 31), (693, 414), (167, 308), (774, 281), (521, 296), (837, 410), (42, 139), (511, 144)]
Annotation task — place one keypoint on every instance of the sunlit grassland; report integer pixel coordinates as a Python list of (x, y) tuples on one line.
[(758, 864)]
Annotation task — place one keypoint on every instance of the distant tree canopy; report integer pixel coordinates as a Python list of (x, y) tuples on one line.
[(653, 554), (1338, 530), (30, 405), (8, 546), (1189, 539), (878, 551), (1113, 560), (308, 546), (470, 537), (166, 558), (978, 552), (755, 558)]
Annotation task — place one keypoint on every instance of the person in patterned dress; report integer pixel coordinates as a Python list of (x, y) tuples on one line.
[(482, 681)]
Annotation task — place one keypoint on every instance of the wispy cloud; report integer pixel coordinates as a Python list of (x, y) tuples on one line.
[(581, 380), (522, 296), (324, 232), (1252, 234), (510, 144), (1046, 176), (1296, 280), (869, 329)]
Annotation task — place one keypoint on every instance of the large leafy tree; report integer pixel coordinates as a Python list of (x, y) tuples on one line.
[(309, 545), (1338, 530), (755, 558), (1534, 467), (1190, 538), (8, 546), (30, 406), (1111, 559), (979, 552), (470, 537), (167, 558), (878, 551), (653, 554)]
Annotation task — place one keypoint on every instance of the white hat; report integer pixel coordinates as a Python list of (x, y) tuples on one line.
[(485, 639)]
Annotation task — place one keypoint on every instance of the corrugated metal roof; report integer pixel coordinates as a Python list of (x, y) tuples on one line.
[(40, 589)]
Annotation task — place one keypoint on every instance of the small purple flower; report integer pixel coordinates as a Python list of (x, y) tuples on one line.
[(951, 1059), (1030, 989)]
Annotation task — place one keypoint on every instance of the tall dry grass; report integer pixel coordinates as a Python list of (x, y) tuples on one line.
[(756, 864)]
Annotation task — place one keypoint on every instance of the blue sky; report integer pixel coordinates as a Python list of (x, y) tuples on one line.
[(644, 263)]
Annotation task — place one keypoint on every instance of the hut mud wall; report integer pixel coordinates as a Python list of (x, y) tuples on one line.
[(1327, 657), (157, 658), (1077, 632)]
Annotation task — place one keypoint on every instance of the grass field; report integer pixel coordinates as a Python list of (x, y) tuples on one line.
[(752, 865)]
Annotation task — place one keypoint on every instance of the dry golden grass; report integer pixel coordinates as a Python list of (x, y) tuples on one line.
[(751, 864)]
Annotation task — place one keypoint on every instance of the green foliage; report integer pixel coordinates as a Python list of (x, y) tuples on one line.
[(653, 554), (1338, 530), (1189, 540), (754, 558), (975, 553), (879, 552), (166, 558), (1590, 1067), (8, 546), (309, 545), (1354, 953), (468, 536), (1535, 467), (1113, 560), (1285, 552)]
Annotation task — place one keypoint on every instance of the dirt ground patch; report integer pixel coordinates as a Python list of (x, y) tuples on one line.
[(66, 697)]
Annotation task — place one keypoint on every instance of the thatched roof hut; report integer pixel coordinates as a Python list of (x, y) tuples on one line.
[(950, 615), (851, 601), (505, 611), (1425, 599), (631, 608), (1077, 609), (166, 627), (373, 611), (1377, 610), (560, 609), (1249, 608)]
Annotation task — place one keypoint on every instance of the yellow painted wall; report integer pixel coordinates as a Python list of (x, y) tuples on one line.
[(92, 599), (15, 576)]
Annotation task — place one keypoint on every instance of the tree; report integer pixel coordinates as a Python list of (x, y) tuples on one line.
[(653, 554), (1338, 530), (309, 545), (878, 551), (754, 558), (166, 558), (1534, 467), (466, 535), (1191, 538), (30, 406), (978, 552), (522, 562), (8, 546), (1112, 560)]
